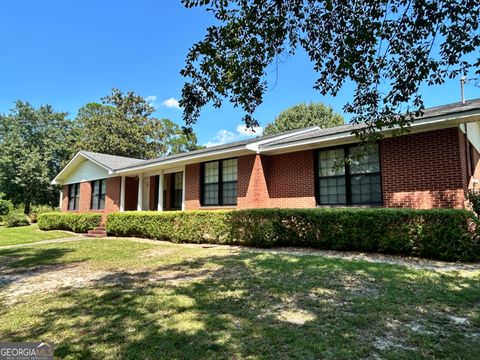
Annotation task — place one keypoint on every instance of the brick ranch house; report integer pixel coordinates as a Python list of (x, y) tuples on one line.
[(431, 166)]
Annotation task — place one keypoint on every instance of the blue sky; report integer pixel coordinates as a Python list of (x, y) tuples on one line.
[(69, 53)]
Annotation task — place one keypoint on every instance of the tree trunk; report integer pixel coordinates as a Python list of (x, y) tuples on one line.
[(27, 206)]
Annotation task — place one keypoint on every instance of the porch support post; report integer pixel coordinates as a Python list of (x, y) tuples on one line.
[(122, 194), (140, 193), (61, 198), (183, 190), (160, 191)]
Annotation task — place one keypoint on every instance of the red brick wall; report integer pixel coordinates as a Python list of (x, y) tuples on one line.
[(424, 170), (85, 196), (192, 187), (112, 195), (252, 187), (285, 180), (292, 180)]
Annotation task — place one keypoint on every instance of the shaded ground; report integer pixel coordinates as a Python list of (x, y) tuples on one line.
[(130, 299)]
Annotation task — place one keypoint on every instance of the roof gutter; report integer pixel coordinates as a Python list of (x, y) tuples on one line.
[(348, 134)]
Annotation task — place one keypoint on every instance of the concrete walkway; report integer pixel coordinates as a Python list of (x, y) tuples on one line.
[(44, 242)]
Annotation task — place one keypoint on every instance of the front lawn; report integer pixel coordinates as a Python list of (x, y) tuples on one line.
[(28, 234), (114, 298)]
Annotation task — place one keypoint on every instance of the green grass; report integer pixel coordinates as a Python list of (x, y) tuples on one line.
[(170, 301), (27, 234)]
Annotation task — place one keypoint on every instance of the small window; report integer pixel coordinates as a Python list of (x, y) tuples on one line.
[(73, 196), (177, 193), (219, 186), (99, 188), (355, 182)]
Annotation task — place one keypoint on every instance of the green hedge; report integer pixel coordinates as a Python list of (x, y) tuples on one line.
[(79, 223), (441, 234), (176, 226)]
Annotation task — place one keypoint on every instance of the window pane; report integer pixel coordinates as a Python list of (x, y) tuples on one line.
[(104, 187), (95, 202), (96, 187), (101, 202), (211, 172), (331, 162), (73, 196), (332, 190), (364, 159), (177, 199), (71, 203), (210, 196), (230, 193), (366, 189), (229, 170), (178, 185)]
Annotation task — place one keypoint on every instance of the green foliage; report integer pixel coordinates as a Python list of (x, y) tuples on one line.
[(123, 126), (302, 116), (16, 218), (40, 209), (385, 49), (441, 234), (176, 226), (79, 223), (34, 145), (473, 197), (5, 206)]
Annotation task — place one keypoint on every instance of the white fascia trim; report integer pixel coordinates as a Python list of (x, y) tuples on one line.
[(72, 161), (256, 145), (348, 134), (179, 159)]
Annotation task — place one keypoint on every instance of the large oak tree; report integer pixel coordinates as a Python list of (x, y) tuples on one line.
[(34, 145), (386, 48), (302, 116), (123, 125)]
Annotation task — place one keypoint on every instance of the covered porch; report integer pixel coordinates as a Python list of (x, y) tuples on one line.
[(158, 191)]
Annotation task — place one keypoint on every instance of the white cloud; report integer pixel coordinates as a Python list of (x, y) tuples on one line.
[(254, 131), (151, 100), (171, 103), (225, 136)]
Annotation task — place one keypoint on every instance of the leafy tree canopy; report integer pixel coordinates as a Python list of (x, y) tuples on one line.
[(122, 125), (386, 48), (34, 145), (304, 115)]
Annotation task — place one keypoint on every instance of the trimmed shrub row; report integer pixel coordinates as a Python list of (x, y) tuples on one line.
[(176, 226), (79, 223), (444, 234)]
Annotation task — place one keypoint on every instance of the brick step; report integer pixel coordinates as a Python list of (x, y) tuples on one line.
[(100, 227), (99, 232), (95, 235)]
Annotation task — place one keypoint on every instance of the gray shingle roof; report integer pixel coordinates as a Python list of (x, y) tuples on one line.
[(455, 108), (215, 148), (112, 162), (119, 162)]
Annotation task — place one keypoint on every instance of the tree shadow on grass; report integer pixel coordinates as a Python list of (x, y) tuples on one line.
[(255, 305), (21, 263)]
